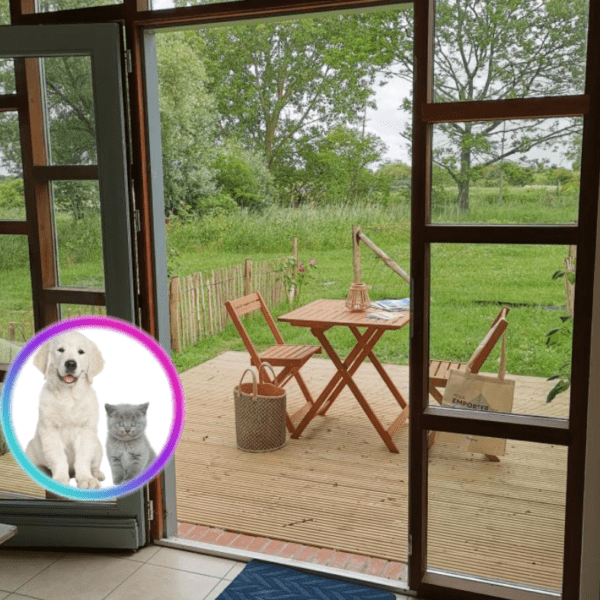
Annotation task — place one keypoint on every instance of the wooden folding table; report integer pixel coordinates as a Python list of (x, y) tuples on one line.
[(322, 315)]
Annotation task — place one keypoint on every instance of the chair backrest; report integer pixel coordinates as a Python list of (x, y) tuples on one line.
[(245, 305), (489, 341)]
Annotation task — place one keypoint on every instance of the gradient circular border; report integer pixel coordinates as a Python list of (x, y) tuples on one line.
[(99, 322)]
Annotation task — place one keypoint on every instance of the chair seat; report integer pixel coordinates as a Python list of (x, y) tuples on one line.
[(282, 355), (440, 369)]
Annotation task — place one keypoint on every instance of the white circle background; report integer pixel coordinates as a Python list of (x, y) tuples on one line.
[(132, 374)]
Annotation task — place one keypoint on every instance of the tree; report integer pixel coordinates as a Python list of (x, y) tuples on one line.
[(501, 49), (336, 166), (188, 124), (243, 176), (280, 86)]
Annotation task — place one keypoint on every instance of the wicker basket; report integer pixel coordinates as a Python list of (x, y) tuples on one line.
[(260, 411)]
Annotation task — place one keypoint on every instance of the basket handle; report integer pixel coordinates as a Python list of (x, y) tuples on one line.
[(254, 385), (265, 365)]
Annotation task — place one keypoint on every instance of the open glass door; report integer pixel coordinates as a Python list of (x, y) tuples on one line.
[(496, 507), (66, 115)]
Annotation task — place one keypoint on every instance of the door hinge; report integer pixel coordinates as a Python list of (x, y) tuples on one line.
[(137, 220), (129, 61), (151, 510), (410, 545)]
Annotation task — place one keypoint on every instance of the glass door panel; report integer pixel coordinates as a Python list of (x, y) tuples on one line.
[(501, 521), (78, 231), (517, 171), (12, 196), (69, 99), (79, 174), (488, 50), (470, 284), (502, 103)]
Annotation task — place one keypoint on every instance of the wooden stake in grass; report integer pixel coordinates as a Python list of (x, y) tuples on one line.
[(358, 295)]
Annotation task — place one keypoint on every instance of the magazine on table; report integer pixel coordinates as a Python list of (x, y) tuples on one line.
[(396, 305)]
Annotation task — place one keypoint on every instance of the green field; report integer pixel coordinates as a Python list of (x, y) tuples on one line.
[(468, 282)]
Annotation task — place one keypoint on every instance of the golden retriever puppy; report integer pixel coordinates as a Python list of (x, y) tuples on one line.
[(66, 441)]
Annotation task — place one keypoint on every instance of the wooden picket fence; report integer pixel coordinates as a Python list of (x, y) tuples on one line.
[(14, 334), (197, 302)]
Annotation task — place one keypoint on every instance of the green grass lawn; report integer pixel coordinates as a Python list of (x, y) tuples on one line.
[(468, 282)]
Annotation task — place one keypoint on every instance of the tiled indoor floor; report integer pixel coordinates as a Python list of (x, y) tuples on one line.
[(153, 573)]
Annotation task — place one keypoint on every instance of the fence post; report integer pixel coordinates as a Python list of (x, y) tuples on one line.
[(174, 298), (247, 276), (293, 290)]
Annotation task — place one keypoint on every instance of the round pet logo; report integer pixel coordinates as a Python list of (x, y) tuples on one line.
[(92, 408)]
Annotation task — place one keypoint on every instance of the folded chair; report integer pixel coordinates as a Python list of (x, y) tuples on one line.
[(439, 370), (290, 358)]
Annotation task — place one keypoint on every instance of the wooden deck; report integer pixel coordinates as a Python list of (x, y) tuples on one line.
[(339, 487)]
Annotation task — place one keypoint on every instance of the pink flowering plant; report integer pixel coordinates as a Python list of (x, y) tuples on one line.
[(296, 275)]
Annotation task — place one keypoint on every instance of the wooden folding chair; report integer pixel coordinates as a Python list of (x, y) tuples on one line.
[(439, 370), (291, 358)]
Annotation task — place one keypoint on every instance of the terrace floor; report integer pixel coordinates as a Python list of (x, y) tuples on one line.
[(339, 487)]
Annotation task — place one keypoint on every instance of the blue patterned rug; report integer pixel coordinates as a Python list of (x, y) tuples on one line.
[(264, 581)]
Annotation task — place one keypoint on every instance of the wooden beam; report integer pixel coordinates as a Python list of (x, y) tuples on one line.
[(513, 426), (494, 110), (141, 182), (420, 271), (64, 295), (252, 9), (91, 14), (14, 227), (64, 172), (583, 311), (8, 102), (384, 257), (502, 234)]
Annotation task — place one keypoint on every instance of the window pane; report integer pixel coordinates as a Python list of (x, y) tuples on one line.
[(12, 196), (52, 5), (489, 50), (70, 110), (160, 4), (520, 171), (79, 234), (7, 74), (4, 12), (498, 520), (16, 327), (16, 305), (470, 283), (68, 311)]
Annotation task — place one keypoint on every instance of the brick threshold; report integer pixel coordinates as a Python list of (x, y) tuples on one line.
[(358, 563)]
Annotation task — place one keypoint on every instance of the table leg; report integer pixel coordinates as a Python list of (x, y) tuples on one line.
[(383, 373), (352, 362), (346, 375), (335, 385)]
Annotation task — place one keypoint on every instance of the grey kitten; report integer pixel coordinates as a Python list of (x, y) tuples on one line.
[(127, 447)]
